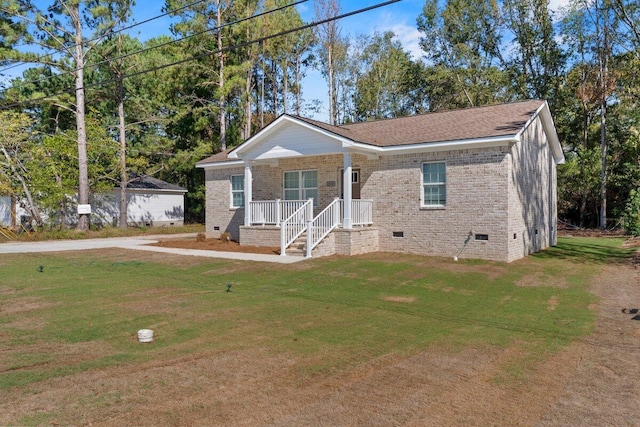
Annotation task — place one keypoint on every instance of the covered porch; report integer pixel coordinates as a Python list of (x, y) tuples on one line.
[(310, 216), (294, 185), (293, 220)]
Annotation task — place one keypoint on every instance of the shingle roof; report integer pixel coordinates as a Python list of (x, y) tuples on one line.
[(146, 182), (454, 125)]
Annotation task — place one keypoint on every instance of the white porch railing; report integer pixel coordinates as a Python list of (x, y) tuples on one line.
[(294, 225), (272, 212), (323, 224), (361, 211), (294, 217)]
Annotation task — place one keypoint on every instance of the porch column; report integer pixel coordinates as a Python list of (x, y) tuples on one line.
[(346, 191), (248, 180)]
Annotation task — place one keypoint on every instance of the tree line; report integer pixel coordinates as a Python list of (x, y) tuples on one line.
[(98, 104)]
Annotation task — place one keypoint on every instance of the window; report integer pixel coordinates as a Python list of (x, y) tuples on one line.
[(434, 192), (237, 191), (300, 185)]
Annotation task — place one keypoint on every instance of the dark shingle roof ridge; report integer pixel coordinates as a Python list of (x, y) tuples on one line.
[(142, 181), (367, 131), (221, 156), (465, 110), (340, 130)]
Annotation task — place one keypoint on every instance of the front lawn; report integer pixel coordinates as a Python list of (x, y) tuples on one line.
[(72, 318)]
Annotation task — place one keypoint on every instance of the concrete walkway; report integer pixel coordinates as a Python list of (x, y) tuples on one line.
[(137, 243)]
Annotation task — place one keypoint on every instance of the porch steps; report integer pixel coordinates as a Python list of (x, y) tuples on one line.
[(298, 247)]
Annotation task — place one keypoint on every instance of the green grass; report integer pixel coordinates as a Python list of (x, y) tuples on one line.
[(82, 311), (108, 231)]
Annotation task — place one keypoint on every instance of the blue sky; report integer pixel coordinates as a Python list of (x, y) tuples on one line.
[(398, 17)]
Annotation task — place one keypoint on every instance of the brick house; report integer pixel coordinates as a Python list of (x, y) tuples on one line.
[(472, 183)]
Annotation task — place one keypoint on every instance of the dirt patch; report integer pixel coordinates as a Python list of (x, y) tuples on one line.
[(602, 388), (399, 299), (552, 303), (5, 290), (632, 242), (49, 355), (535, 280), (25, 304), (574, 231), (423, 265), (216, 245)]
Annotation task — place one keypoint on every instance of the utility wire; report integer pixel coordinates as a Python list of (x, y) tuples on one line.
[(153, 18), (126, 55), (196, 57)]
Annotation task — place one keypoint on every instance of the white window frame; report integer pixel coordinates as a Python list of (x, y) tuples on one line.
[(433, 184), (232, 192), (302, 191)]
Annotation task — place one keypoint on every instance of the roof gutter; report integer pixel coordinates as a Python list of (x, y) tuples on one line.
[(220, 165), (154, 190), (461, 144)]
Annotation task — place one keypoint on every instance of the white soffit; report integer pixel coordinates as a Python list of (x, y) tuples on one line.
[(291, 139)]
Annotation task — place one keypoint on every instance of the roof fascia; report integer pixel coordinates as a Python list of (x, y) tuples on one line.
[(220, 165), (549, 129), (256, 139), (462, 144)]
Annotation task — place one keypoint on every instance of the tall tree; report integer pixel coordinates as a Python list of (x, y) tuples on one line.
[(51, 168), (594, 27), (60, 31), (333, 49), (536, 62), (462, 40), (14, 147), (115, 61), (388, 79), (205, 23)]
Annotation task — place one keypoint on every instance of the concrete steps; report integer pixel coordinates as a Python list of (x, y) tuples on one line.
[(298, 247)]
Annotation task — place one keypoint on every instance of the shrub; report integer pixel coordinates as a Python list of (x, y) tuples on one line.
[(632, 213)]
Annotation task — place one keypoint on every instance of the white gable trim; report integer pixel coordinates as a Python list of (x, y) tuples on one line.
[(252, 143), (549, 129)]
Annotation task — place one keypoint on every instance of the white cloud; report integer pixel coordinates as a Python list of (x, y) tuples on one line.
[(407, 33), (558, 7), (409, 36)]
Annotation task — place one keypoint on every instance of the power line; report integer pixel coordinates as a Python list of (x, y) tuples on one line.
[(153, 18), (196, 57), (258, 15)]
